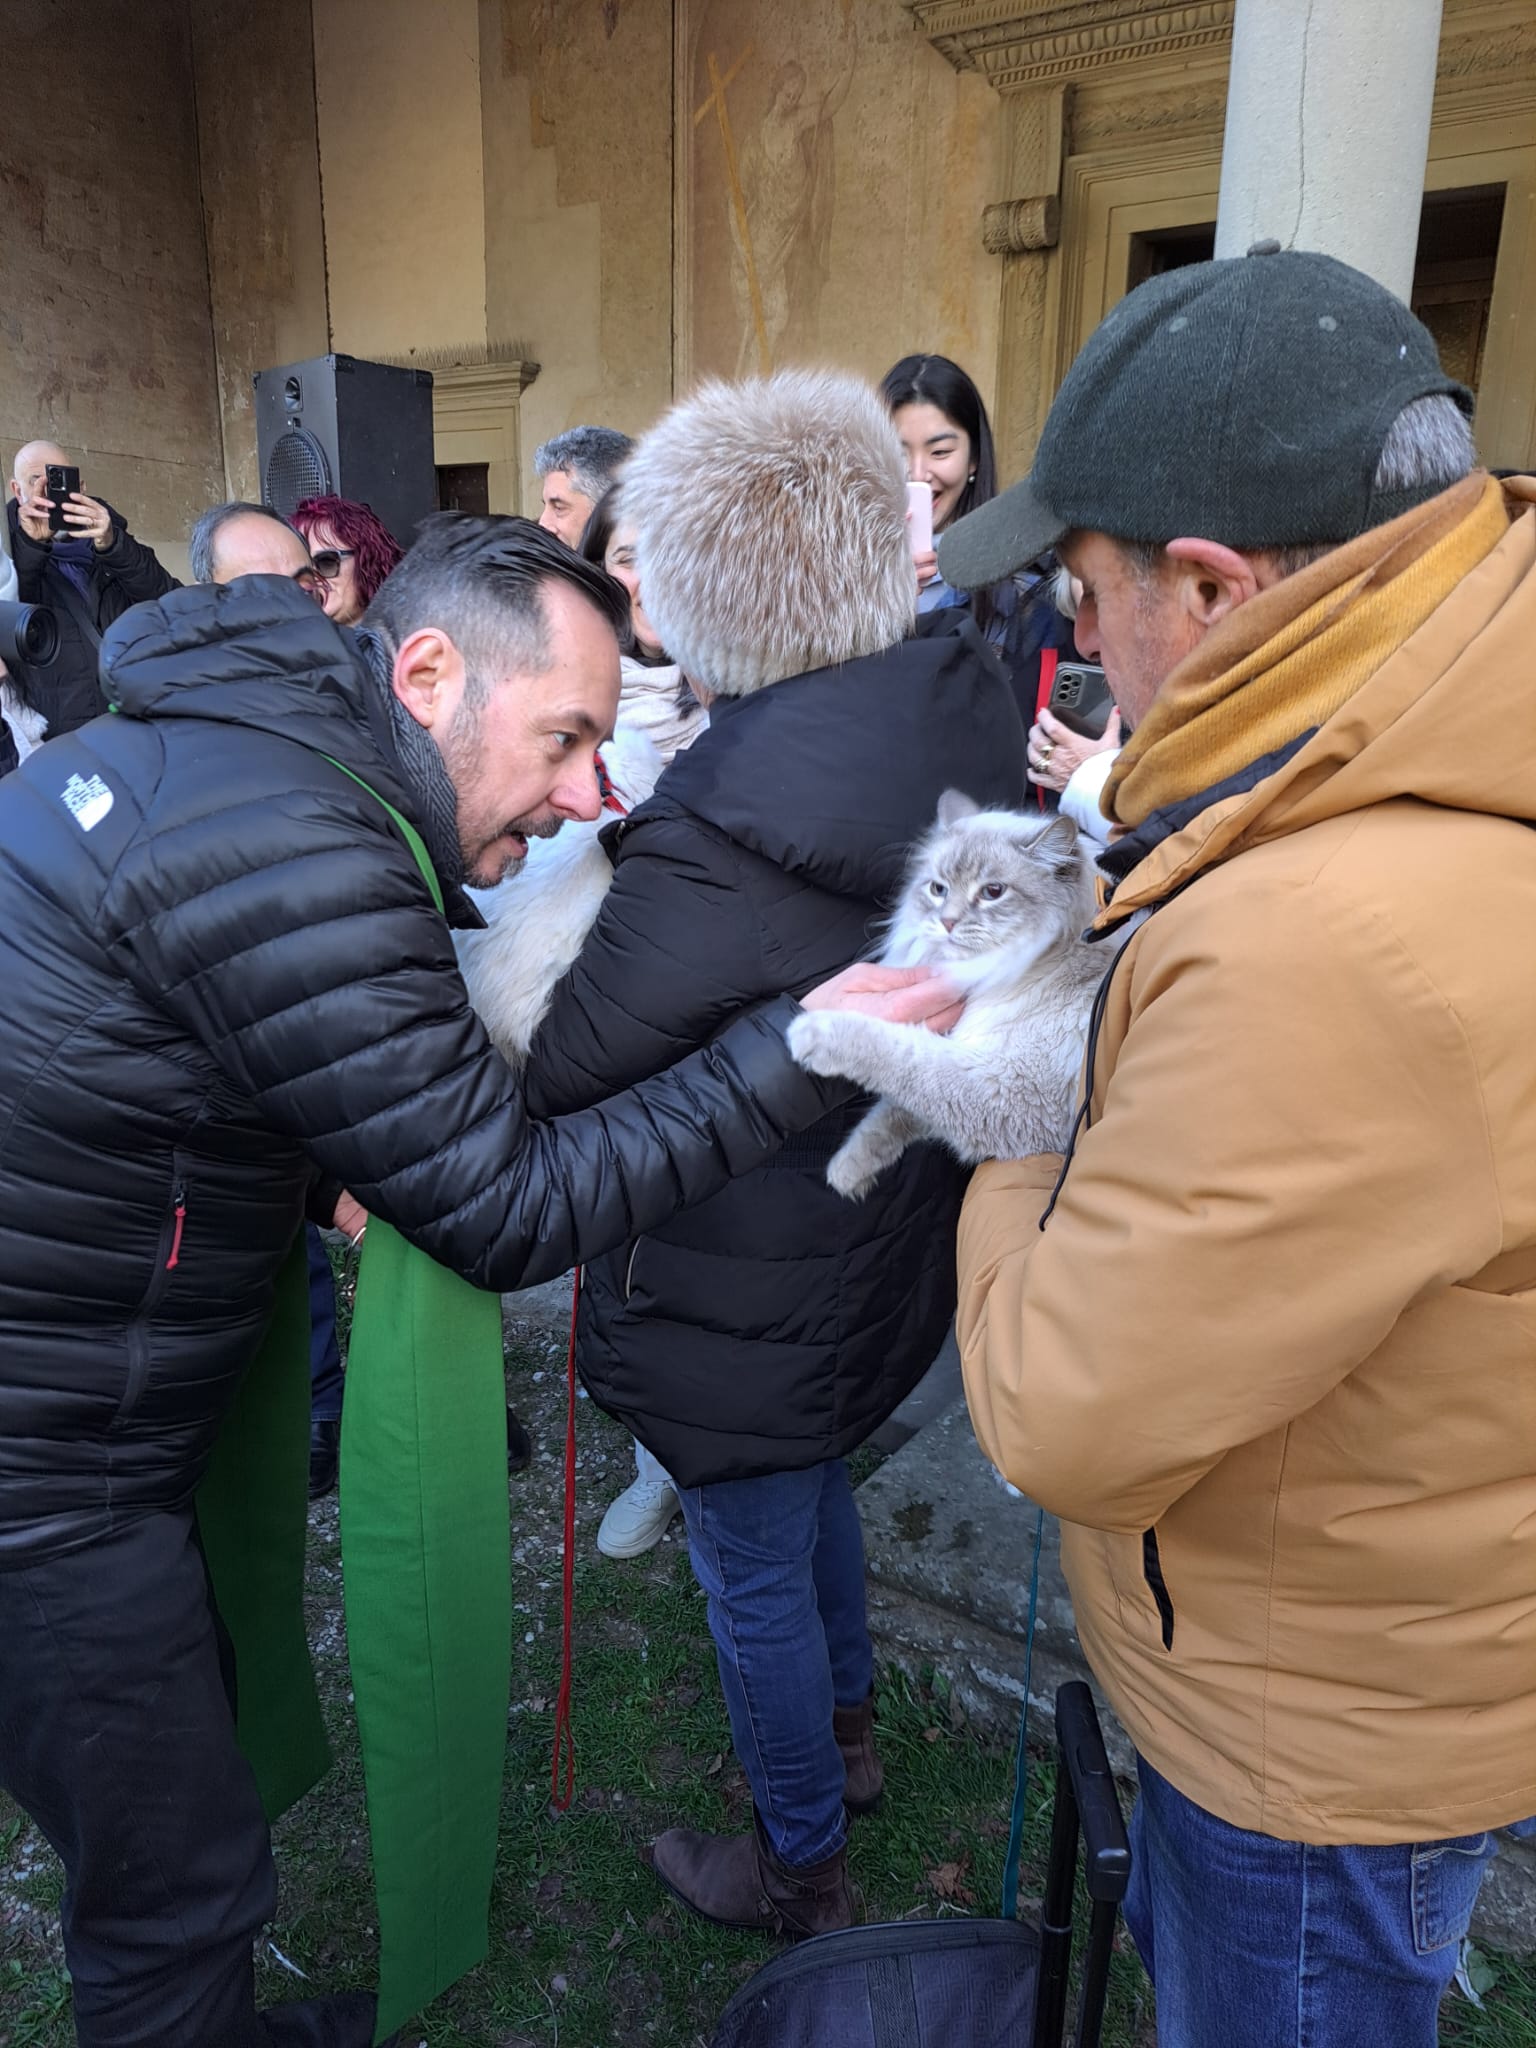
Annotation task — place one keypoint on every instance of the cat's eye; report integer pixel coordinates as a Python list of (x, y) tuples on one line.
[(938, 891), (994, 892)]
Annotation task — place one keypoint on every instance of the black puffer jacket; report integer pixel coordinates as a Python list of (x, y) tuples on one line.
[(775, 1325), (123, 574), (223, 969)]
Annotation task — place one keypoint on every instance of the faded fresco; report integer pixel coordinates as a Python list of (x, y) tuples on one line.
[(760, 182)]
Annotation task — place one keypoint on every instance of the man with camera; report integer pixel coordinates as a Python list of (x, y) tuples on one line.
[(74, 555)]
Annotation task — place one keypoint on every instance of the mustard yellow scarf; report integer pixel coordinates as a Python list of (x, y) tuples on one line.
[(1288, 659)]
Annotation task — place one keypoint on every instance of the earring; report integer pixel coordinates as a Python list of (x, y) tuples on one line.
[(971, 478)]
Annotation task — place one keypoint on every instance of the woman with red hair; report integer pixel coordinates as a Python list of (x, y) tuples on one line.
[(364, 548)]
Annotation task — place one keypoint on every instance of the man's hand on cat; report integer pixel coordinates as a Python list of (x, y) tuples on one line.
[(898, 995)]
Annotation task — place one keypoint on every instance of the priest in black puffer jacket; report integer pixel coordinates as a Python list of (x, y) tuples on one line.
[(223, 970), (756, 1338)]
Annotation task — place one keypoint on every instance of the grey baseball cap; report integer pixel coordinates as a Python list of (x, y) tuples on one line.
[(1245, 400)]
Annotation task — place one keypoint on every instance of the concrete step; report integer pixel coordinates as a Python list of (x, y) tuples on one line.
[(949, 1552)]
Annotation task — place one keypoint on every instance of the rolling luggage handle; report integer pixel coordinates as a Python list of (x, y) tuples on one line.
[(1085, 1798)]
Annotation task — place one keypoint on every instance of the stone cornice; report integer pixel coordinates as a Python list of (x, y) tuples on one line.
[(474, 369), (1021, 43), (1017, 43)]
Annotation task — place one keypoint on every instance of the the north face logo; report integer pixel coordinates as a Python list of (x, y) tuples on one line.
[(89, 798)]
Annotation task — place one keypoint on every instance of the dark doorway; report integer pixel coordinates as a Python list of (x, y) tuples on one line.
[(1169, 249), (463, 487), (1453, 273)]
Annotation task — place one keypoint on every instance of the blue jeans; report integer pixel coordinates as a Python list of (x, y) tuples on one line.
[(1284, 1945), (325, 1376), (782, 1561)]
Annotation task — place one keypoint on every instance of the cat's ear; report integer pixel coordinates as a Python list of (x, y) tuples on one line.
[(1056, 847), (953, 806)]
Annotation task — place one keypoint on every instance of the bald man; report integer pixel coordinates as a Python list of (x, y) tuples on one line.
[(87, 576)]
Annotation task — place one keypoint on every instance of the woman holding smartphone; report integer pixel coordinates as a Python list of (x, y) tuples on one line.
[(947, 440)]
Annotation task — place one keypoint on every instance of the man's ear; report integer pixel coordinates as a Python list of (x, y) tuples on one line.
[(1213, 580), (428, 676)]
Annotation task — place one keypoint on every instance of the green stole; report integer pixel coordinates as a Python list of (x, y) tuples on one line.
[(426, 1574)]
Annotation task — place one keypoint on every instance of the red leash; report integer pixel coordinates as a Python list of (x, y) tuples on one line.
[(565, 1739), (1048, 660)]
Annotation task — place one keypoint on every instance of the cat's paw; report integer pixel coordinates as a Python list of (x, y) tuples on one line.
[(813, 1042), (850, 1176)]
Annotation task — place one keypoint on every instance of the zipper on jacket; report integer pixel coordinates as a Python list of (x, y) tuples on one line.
[(179, 1213), (629, 1270), (1152, 1572), (167, 1259)]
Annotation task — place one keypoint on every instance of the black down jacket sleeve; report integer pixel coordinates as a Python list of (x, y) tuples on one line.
[(675, 953), (135, 571), (302, 949)]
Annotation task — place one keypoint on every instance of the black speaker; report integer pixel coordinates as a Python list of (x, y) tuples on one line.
[(360, 430)]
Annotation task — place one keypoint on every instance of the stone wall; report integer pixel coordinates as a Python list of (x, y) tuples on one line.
[(262, 217), (397, 95), (610, 192), (105, 343), (578, 208)]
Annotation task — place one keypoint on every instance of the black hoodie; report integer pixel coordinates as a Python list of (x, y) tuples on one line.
[(223, 969), (775, 1325)]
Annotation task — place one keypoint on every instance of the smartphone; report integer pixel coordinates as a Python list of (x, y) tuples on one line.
[(920, 518), (1080, 698), (63, 477)]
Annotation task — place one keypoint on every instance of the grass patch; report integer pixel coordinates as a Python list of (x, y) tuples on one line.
[(587, 1950)]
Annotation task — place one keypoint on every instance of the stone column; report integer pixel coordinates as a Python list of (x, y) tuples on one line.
[(1328, 130), (1023, 232)]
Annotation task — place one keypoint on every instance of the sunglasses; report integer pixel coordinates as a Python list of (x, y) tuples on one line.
[(328, 561)]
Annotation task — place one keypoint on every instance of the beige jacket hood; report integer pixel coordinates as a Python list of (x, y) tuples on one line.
[(1273, 1360)]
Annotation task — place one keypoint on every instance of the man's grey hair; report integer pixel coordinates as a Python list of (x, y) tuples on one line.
[(590, 456), (200, 545), (788, 549), (480, 578), (1427, 449)]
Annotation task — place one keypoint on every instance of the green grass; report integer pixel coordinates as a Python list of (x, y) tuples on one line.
[(586, 1948)]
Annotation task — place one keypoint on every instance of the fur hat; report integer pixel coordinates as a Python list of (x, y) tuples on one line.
[(770, 525)]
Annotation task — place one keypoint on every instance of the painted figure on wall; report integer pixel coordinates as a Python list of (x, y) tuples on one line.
[(788, 179), (763, 171)]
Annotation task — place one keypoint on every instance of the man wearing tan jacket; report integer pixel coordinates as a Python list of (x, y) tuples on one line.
[(1266, 1340)]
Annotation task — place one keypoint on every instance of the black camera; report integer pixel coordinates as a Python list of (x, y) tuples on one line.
[(29, 635)]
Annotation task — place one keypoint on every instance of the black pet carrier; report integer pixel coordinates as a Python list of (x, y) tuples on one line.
[(963, 1983)]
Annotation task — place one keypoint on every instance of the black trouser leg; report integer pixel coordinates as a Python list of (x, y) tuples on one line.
[(117, 1737)]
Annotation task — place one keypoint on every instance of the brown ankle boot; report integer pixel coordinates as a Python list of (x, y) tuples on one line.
[(737, 1881), (854, 1729)]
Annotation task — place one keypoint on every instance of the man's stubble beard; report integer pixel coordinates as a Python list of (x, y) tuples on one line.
[(530, 828), (460, 749)]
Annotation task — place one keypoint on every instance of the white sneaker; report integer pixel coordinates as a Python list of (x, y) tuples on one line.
[(637, 1520)]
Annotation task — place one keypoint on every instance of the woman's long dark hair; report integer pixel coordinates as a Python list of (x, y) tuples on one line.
[(596, 537), (935, 380)]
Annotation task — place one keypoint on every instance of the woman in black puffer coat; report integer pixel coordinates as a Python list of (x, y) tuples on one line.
[(755, 1340)]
